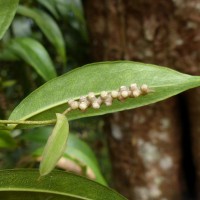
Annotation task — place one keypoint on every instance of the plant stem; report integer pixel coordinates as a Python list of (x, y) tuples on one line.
[(45, 122), (66, 111)]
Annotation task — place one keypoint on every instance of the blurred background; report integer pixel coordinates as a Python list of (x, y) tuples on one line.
[(149, 153)]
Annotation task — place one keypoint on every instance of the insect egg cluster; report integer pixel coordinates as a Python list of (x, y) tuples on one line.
[(107, 98)]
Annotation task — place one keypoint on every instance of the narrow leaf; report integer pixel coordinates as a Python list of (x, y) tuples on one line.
[(48, 26), (25, 185), (7, 12), (52, 97), (51, 6), (66, 8), (79, 150), (35, 55), (55, 146)]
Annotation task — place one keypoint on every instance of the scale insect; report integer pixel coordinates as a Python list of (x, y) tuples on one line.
[(107, 98)]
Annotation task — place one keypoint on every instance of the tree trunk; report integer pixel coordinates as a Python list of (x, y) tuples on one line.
[(145, 152), (145, 143)]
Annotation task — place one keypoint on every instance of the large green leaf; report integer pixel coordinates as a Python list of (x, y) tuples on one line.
[(7, 12), (26, 184), (48, 26), (52, 97), (55, 146), (34, 54)]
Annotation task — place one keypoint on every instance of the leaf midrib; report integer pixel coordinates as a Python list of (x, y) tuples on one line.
[(76, 98)]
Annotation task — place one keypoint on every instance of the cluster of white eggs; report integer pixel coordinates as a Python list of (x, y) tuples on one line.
[(107, 98)]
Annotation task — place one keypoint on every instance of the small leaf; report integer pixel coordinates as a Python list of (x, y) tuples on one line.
[(25, 185), (7, 12), (55, 146), (77, 150), (48, 27), (52, 97), (34, 54)]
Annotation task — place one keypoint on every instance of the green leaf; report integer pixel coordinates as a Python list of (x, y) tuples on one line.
[(7, 12), (48, 26), (77, 150), (52, 97), (35, 55), (6, 140), (8, 55), (55, 146), (51, 6), (26, 185), (38, 135), (3, 127), (66, 8)]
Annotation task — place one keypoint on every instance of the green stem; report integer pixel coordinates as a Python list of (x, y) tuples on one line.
[(66, 111), (45, 122)]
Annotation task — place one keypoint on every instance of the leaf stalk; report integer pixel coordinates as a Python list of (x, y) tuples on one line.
[(44, 122)]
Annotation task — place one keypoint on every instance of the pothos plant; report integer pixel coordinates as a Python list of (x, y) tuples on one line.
[(91, 90)]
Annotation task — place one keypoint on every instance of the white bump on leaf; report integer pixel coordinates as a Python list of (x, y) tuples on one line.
[(108, 102), (144, 88), (91, 96), (122, 88), (95, 105), (136, 93), (83, 101), (107, 98), (83, 106), (133, 87), (125, 93), (114, 94), (99, 100), (120, 98), (83, 98), (74, 105), (104, 94)]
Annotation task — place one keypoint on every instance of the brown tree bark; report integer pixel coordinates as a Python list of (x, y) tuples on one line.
[(187, 58), (145, 152), (145, 143)]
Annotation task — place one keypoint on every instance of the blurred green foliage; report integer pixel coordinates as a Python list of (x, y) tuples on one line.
[(68, 17), (18, 78)]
